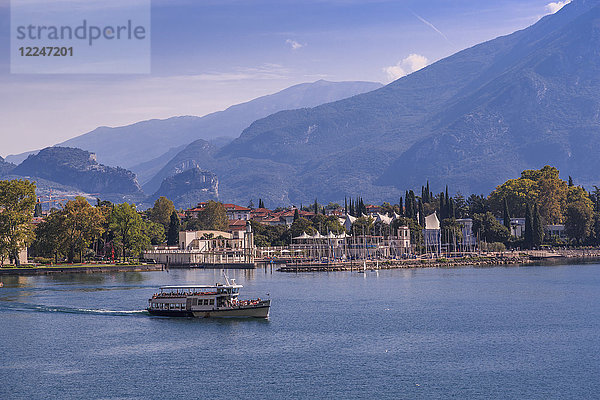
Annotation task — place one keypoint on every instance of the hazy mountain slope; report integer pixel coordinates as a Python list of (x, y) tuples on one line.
[(198, 154), (131, 145), (79, 169), (5, 167), (470, 120), (544, 109), (189, 187)]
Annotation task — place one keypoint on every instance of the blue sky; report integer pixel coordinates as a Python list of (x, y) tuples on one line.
[(207, 55)]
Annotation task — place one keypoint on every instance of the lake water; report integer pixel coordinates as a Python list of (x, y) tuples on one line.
[(502, 332)]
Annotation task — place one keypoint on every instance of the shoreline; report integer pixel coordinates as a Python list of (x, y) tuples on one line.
[(436, 263), (79, 269)]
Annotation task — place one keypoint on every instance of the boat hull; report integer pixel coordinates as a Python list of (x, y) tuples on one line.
[(260, 310)]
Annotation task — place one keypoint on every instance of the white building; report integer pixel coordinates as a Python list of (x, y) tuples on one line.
[(208, 248), (432, 234)]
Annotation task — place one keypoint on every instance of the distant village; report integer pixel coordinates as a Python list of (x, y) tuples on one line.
[(535, 211)]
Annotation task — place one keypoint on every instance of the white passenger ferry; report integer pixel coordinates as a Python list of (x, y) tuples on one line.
[(206, 301)]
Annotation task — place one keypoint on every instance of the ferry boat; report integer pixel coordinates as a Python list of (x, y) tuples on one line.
[(206, 301)]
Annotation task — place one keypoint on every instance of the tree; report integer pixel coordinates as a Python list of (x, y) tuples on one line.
[(154, 232), (17, 205), (174, 227), (401, 207), (300, 226), (506, 215), (78, 226), (214, 217), (537, 227), (578, 221), (270, 236), (571, 181), (128, 229), (460, 206), (316, 207), (261, 204), (362, 225), (477, 204), (489, 229), (528, 236), (451, 231), (296, 214), (161, 212), (38, 209)]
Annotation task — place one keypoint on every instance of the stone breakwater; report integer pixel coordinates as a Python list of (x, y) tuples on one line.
[(506, 258)]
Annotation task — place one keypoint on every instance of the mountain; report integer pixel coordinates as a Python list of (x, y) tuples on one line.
[(471, 121), (131, 145), (79, 169), (197, 153), (189, 187), (5, 167)]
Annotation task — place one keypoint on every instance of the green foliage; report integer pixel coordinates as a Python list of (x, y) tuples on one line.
[(451, 231), (17, 204), (578, 223), (302, 225), (174, 228), (270, 236), (362, 225), (213, 217), (537, 227), (70, 231), (489, 229), (128, 229), (161, 212), (506, 215), (154, 232)]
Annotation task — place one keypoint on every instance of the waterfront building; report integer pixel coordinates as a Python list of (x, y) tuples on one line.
[(208, 247), (334, 247), (469, 241), (555, 231), (233, 211), (432, 234)]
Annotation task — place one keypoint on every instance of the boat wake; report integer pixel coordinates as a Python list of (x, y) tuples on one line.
[(69, 310)]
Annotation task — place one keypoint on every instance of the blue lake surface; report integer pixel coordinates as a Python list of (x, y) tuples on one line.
[(477, 333)]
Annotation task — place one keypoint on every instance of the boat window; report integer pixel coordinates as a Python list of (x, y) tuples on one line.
[(205, 302), (212, 302)]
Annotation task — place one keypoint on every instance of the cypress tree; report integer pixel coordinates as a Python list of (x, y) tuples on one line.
[(174, 226), (316, 207), (296, 214), (571, 181), (401, 206), (506, 215), (538, 227), (528, 227), (442, 207), (421, 214), (351, 209), (450, 207), (38, 209), (428, 193)]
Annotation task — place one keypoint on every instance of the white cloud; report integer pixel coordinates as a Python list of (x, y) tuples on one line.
[(556, 5), (410, 64), (295, 45)]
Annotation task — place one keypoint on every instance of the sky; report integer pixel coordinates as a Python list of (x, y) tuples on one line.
[(209, 54)]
